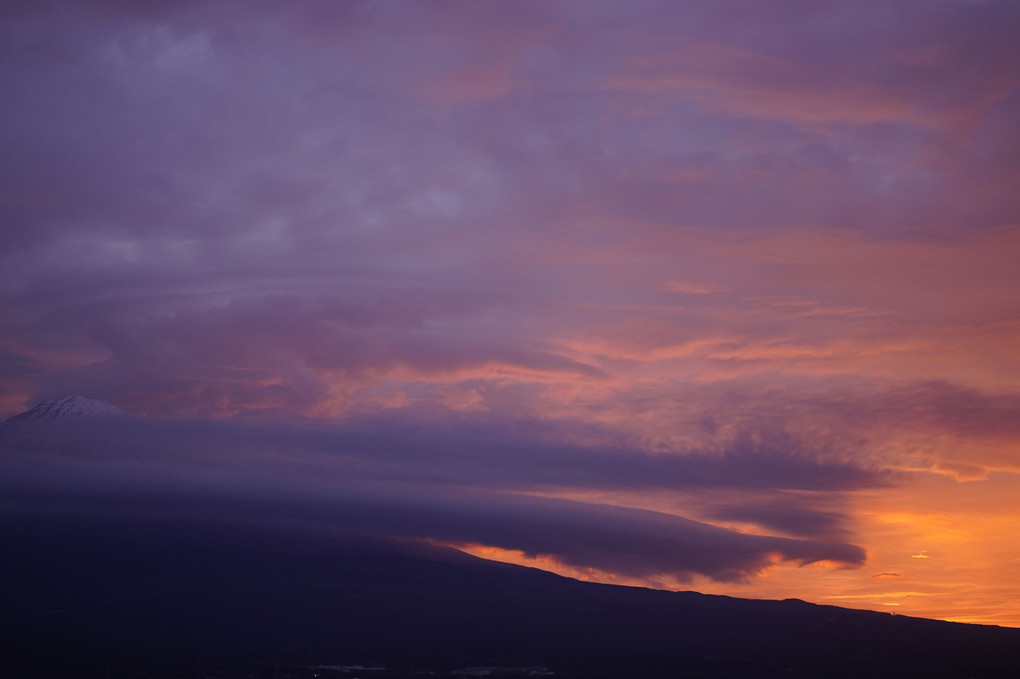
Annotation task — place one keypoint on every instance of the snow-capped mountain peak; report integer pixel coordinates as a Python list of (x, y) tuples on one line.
[(71, 408)]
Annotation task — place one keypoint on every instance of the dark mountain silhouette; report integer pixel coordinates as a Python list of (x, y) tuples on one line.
[(90, 595)]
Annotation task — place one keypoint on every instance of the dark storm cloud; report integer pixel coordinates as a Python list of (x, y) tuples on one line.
[(453, 488), (521, 455), (629, 542), (505, 455), (791, 516)]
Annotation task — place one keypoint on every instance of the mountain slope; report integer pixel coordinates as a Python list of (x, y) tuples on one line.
[(70, 407), (79, 595)]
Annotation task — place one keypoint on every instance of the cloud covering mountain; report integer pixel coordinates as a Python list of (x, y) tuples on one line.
[(451, 489)]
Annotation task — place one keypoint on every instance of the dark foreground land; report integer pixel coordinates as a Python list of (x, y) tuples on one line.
[(88, 596)]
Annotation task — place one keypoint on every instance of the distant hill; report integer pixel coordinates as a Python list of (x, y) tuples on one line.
[(115, 597)]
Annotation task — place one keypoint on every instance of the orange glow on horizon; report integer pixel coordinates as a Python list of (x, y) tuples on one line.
[(923, 562)]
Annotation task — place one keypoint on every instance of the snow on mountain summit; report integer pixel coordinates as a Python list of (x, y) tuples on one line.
[(71, 407)]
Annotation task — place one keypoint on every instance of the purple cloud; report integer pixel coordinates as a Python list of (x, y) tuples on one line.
[(630, 542), (705, 247)]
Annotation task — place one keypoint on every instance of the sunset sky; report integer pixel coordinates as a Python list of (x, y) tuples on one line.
[(707, 294)]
